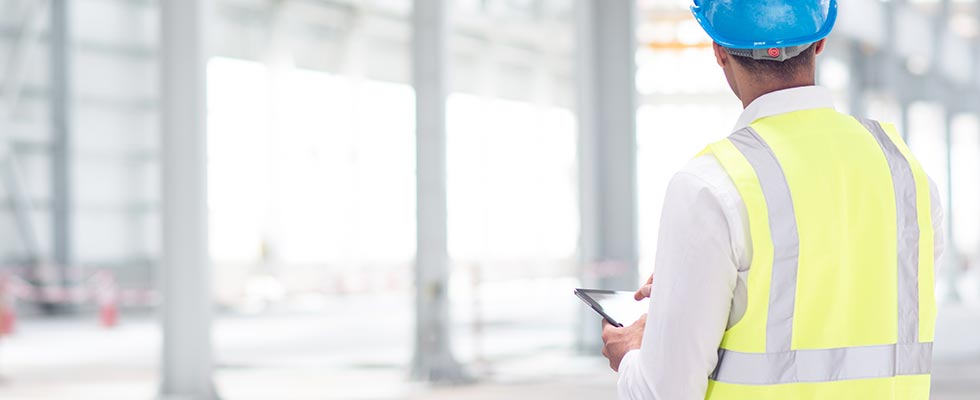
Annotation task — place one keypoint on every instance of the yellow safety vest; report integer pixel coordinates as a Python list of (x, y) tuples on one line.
[(840, 286)]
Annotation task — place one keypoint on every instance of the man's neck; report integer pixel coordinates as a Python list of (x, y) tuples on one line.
[(751, 92)]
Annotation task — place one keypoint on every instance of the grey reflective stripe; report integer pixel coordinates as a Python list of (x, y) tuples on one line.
[(908, 235), (828, 365), (785, 238)]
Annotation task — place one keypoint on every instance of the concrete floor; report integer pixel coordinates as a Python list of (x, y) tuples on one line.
[(320, 354), (590, 380)]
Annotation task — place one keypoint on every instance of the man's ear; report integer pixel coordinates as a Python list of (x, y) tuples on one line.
[(721, 56), (818, 46)]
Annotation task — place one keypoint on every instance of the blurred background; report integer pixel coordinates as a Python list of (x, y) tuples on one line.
[(226, 196)]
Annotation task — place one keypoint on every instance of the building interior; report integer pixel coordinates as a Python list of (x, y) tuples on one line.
[(394, 199)]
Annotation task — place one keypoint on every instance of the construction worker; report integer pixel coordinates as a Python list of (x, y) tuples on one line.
[(796, 257)]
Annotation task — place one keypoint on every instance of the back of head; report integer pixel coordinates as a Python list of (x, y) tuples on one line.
[(772, 37), (771, 43)]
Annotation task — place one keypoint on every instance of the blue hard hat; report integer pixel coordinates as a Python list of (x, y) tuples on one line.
[(760, 24)]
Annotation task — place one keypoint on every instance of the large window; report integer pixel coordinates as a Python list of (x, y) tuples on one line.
[(309, 171), (512, 182)]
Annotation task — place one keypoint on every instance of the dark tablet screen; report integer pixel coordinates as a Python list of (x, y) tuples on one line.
[(617, 307)]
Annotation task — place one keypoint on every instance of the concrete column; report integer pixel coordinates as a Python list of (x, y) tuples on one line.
[(858, 83), (185, 274), (61, 188), (433, 359), (975, 77), (951, 257), (903, 110), (607, 102)]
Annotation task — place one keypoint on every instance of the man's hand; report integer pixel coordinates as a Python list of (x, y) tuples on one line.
[(644, 291), (619, 341)]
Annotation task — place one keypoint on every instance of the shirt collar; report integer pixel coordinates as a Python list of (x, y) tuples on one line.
[(785, 101)]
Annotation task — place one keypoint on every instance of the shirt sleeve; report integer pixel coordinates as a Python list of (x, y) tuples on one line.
[(696, 274)]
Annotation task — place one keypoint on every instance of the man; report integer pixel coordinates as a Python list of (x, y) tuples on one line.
[(796, 256)]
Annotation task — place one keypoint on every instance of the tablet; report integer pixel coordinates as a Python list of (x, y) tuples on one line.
[(617, 307)]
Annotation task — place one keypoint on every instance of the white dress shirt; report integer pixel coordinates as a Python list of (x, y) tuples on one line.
[(702, 264)]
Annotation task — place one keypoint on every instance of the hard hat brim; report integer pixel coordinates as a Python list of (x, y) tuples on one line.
[(731, 43)]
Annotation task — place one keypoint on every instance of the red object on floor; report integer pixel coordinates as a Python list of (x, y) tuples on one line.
[(109, 314), (8, 314), (8, 319), (107, 297)]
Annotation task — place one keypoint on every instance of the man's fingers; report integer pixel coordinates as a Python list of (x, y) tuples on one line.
[(643, 293), (616, 341)]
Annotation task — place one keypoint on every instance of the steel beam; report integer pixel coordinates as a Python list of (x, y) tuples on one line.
[(61, 185), (433, 359), (185, 274), (607, 103)]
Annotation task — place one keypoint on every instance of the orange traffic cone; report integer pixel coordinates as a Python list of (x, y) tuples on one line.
[(108, 299), (8, 315), (109, 314), (8, 319)]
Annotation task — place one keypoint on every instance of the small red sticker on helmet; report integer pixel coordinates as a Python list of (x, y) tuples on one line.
[(773, 52)]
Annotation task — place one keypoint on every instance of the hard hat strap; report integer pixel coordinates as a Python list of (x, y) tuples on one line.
[(771, 54)]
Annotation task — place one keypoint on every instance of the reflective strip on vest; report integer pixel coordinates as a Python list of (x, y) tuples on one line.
[(785, 238), (782, 365), (908, 235), (801, 366)]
